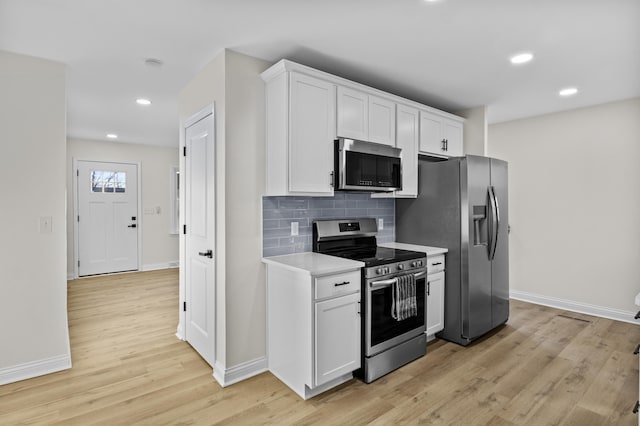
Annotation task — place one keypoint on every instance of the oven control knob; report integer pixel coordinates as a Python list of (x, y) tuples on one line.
[(385, 269), (414, 264), (378, 271), (400, 266)]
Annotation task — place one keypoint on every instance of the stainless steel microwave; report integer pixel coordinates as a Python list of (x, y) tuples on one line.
[(367, 166)]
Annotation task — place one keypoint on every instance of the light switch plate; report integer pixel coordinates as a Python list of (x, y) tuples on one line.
[(294, 228), (380, 224)]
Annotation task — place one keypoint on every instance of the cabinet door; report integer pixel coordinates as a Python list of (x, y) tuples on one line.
[(452, 133), (435, 303), (353, 114), (407, 140), (431, 134), (382, 121), (311, 134), (337, 337)]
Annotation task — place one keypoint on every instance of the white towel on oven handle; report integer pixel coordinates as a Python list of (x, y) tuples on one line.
[(404, 304)]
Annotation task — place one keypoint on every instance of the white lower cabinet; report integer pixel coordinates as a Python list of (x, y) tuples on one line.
[(313, 327), (435, 303), (435, 295), (337, 337)]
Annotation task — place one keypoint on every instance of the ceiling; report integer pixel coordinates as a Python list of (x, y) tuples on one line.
[(450, 54)]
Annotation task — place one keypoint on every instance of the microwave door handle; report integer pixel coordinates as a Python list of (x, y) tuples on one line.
[(381, 284)]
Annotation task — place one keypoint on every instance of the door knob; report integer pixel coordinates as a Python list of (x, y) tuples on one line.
[(208, 253), (132, 226)]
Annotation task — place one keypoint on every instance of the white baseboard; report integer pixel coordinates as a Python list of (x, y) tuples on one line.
[(158, 266), (237, 373), (32, 369), (149, 267), (570, 305)]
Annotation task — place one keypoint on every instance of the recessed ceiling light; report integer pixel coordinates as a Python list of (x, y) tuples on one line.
[(568, 91), (521, 58), (142, 101), (112, 136)]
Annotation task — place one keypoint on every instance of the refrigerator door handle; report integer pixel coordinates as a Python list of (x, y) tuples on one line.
[(495, 222)]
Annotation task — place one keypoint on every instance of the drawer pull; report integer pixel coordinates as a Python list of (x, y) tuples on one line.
[(342, 283), (637, 351), (635, 408), (637, 315), (440, 263)]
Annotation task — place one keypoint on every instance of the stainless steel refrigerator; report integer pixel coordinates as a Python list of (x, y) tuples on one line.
[(462, 205)]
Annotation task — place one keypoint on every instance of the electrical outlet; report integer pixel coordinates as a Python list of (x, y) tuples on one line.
[(294, 229), (380, 224)]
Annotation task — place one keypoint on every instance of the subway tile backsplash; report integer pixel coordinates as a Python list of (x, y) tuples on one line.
[(279, 212)]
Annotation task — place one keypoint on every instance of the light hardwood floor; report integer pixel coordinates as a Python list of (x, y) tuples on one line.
[(545, 366)]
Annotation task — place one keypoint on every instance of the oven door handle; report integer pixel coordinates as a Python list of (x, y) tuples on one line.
[(387, 283), (383, 283), (419, 275)]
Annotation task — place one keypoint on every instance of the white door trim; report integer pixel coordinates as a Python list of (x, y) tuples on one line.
[(76, 242), (181, 331)]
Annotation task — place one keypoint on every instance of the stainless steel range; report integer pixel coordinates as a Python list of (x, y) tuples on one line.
[(393, 293)]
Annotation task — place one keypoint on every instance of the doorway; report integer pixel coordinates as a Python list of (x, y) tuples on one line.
[(107, 225)]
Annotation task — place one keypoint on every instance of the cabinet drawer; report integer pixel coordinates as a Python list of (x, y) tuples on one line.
[(435, 264), (337, 284)]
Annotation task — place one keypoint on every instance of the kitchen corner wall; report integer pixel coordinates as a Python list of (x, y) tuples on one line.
[(279, 212)]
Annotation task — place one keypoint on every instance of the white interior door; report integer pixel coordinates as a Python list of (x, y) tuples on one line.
[(107, 215), (200, 237)]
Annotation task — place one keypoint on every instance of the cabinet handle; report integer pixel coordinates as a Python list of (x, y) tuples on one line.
[(635, 407), (342, 283), (444, 144), (428, 289), (331, 180), (637, 315), (637, 351), (437, 263)]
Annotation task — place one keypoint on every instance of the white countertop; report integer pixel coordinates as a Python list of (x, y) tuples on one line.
[(314, 263), (638, 299), (430, 251)]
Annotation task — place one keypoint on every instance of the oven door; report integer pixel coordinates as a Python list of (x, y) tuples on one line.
[(382, 331)]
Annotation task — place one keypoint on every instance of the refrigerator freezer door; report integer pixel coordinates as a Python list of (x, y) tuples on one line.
[(476, 297), (500, 263)]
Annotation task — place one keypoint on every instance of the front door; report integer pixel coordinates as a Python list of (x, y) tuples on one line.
[(107, 216), (200, 237)]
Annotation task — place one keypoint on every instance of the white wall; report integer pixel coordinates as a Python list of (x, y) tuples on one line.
[(475, 130), (245, 157), (206, 88), (159, 247), (33, 288), (232, 82), (575, 205)]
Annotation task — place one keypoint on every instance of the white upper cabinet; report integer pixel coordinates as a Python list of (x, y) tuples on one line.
[(300, 133), (382, 121), (366, 117), (439, 135), (353, 114), (407, 140), (312, 131)]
